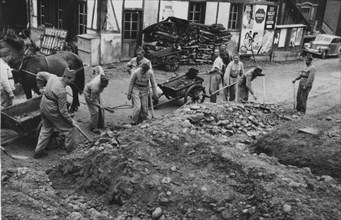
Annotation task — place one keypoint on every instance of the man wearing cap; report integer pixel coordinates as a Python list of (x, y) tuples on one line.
[(7, 83), (92, 94), (53, 107), (137, 61), (306, 77), (138, 90), (234, 70), (244, 84)]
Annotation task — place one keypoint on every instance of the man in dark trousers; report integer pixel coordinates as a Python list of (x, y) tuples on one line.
[(306, 77)]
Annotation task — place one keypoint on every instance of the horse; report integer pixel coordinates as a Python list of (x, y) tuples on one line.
[(55, 64), (27, 62)]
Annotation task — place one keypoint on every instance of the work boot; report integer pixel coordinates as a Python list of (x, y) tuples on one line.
[(41, 154)]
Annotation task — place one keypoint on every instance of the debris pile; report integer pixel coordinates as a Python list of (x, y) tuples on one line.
[(186, 166), (234, 118), (196, 42)]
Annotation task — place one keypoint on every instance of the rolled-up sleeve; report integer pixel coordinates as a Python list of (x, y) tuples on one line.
[(132, 81)]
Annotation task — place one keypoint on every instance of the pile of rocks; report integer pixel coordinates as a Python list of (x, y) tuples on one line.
[(232, 118)]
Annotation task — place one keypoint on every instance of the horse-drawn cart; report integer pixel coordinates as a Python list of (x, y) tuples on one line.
[(24, 118), (191, 89)]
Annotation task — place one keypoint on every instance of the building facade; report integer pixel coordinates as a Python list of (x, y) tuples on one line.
[(117, 24)]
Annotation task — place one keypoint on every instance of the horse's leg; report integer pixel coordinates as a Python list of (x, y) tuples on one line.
[(27, 90), (75, 99)]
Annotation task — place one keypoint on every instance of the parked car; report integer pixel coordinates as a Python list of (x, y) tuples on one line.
[(324, 45)]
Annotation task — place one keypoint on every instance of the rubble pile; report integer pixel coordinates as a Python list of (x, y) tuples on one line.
[(186, 166), (196, 42)]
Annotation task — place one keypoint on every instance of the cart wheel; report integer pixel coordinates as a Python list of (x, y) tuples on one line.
[(195, 94), (172, 63)]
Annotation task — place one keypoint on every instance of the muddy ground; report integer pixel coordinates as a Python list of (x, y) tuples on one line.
[(170, 164)]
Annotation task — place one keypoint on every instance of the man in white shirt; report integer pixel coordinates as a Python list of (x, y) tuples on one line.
[(7, 83), (234, 70), (215, 78)]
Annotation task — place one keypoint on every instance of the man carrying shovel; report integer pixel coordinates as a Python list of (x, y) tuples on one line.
[(234, 70), (138, 91), (92, 94)]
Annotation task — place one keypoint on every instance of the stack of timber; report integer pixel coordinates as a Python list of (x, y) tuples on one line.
[(196, 42)]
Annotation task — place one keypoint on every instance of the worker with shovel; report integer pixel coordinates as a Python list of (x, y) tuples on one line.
[(92, 94), (306, 78), (54, 113), (234, 70), (138, 91), (244, 84)]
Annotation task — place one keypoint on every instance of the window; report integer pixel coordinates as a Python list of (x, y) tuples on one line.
[(308, 10), (42, 13), (196, 12), (131, 24), (60, 15), (234, 20), (82, 18)]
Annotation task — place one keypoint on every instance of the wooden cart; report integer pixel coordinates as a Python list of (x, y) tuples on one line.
[(180, 87), (24, 118), (169, 58)]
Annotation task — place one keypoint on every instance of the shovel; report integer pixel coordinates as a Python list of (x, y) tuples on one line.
[(15, 157), (81, 131)]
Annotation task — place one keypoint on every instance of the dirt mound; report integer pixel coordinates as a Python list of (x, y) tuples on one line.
[(321, 151), (192, 165)]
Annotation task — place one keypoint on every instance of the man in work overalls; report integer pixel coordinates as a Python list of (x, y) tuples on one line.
[(53, 107), (138, 91)]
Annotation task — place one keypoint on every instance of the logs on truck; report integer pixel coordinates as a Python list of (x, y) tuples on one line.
[(196, 42)]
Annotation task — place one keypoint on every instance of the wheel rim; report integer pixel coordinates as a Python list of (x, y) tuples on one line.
[(173, 64), (196, 94)]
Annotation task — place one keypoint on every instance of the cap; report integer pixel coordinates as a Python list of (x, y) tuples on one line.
[(69, 73), (4, 52)]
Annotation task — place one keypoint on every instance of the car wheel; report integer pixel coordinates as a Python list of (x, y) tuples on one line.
[(323, 54), (339, 54)]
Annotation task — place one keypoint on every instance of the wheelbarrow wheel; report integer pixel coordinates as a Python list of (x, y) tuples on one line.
[(195, 94), (172, 63)]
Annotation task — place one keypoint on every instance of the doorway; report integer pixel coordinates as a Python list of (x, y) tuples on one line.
[(132, 33)]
